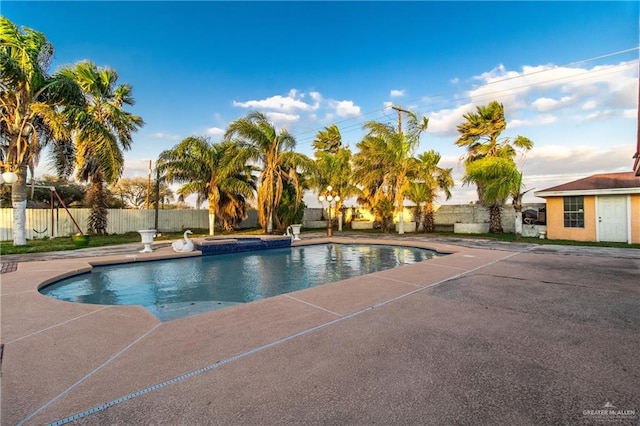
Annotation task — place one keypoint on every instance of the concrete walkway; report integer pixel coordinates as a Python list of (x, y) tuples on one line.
[(491, 334)]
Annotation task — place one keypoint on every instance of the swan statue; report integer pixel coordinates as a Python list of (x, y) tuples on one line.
[(289, 233), (183, 246)]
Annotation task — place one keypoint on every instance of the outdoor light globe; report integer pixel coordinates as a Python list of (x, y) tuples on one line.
[(321, 198), (329, 198), (336, 198), (9, 177), (329, 188)]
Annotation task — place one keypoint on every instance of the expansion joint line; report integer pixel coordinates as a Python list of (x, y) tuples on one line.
[(312, 305), (255, 350), (58, 325), (91, 373)]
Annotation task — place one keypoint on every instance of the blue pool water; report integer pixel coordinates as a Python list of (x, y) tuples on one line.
[(181, 287)]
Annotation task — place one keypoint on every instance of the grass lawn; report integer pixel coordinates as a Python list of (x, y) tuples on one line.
[(66, 243)]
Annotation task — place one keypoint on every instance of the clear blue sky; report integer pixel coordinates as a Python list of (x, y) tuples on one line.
[(196, 66)]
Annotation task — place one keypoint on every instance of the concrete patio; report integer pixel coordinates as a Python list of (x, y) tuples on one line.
[(494, 333)]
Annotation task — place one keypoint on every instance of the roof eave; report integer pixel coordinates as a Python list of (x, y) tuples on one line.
[(607, 191)]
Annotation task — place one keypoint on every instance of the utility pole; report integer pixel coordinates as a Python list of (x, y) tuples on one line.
[(400, 111), (401, 213)]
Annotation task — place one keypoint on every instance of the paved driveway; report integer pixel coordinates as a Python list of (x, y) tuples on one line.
[(483, 336)]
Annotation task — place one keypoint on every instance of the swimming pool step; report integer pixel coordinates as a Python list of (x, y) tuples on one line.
[(214, 246)]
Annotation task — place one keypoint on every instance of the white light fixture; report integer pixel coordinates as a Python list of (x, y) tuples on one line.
[(9, 177)]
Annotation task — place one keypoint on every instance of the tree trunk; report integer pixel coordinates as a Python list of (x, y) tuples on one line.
[(418, 218), (401, 221), (495, 219), (212, 222), (518, 223), (97, 198), (429, 224), (270, 222), (19, 203)]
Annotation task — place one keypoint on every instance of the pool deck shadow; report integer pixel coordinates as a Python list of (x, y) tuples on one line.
[(481, 336)]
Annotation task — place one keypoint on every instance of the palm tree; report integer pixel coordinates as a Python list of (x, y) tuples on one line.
[(333, 165), (328, 140), (436, 180), (216, 172), (418, 193), (102, 131), (273, 151), (489, 161), (385, 165), (31, 112)]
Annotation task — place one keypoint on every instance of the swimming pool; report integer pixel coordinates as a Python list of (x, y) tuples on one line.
[(182, 287)]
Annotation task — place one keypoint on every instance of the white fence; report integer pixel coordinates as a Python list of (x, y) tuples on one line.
[(58, 223)]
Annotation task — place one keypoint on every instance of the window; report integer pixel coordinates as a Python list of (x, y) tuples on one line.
[(573, 212)]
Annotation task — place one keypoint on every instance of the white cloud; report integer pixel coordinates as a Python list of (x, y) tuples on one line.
[(285, 104), (600, 115), (345, 108), (215, 131), (444, 122), (137, 168), (279, 118), (455, 80), (550, 165), (549, 104), (396, 93), (559, 160), (160, 135), (538, 120), (544, 94), (316, 96)]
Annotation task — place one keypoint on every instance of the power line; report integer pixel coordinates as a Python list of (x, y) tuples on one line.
[(442, 105)]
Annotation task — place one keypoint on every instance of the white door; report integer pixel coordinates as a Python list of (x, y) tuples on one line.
[(612, 218)]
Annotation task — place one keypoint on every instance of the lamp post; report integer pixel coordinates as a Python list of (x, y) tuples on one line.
[(332, 198)]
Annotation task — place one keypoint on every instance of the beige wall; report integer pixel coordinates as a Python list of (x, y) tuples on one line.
[(555, 221), (635, 218)]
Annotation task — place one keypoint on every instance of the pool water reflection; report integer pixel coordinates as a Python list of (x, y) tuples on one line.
[(183, 287)]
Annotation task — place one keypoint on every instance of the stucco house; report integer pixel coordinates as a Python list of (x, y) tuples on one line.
[(602, 207)]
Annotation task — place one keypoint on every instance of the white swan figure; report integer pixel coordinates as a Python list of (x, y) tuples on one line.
[(183, 246), (289, 233)]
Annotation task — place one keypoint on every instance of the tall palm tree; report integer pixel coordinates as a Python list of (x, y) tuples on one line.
[(489, 160), (431, 181), (102, 131), (218, 173), (385, 164), (273, 151), (419, 194), (333, 165), (31, 112)]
